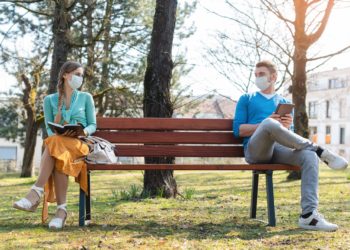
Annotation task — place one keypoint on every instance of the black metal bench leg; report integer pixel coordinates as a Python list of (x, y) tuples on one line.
[(88, 199), (82, 204), (270, 199), (254, 198)]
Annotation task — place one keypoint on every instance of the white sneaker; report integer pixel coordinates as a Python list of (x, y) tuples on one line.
[(333, 160), (316, 221)]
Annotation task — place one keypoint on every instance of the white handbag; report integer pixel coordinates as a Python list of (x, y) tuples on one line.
[(101, 151)]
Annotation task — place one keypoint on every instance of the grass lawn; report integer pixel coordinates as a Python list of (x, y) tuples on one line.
[(216, 215)]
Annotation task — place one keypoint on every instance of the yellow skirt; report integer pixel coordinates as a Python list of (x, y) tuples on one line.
[(69, 155)]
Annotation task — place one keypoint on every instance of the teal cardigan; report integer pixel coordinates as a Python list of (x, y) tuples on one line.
[(82, 110)]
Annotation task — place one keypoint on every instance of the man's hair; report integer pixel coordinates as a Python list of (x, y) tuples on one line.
[(268, 64)]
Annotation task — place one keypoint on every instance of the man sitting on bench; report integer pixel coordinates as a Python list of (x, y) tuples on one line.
[(269, 138)]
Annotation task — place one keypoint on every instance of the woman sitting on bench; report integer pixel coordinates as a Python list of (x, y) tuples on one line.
[(64, 154)]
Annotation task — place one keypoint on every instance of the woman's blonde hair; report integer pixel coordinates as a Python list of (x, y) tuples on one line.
[(67, 67)]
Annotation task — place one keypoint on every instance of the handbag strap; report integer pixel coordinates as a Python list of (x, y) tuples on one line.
[(96, 139)]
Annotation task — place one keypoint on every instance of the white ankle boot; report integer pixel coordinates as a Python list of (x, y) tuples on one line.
[(58, 223), (26, 205)]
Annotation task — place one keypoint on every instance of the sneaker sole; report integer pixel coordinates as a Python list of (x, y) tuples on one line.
[(341, 168), (314, 228)]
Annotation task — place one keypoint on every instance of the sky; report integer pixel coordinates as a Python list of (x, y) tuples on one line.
[(204, 79)]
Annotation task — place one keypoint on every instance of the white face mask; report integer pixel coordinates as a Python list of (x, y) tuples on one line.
[(262, 83), (75, 82)]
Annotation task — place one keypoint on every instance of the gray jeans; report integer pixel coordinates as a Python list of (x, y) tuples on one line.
[(273, 143)]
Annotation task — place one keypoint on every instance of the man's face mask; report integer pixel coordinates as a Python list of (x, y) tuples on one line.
[(75, 82), (262, 82)]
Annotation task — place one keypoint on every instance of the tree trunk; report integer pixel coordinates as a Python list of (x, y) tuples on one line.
[(156, 102), (29, 147), (301, 121), (299, 90), (102, 102), (28, 99), (89, 78), (60, 28)]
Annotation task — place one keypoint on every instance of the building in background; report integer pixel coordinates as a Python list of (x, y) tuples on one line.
[(328, 103), (209, 108), (11, 155)]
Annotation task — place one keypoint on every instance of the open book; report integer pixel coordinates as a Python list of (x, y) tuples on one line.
[(60, 129)]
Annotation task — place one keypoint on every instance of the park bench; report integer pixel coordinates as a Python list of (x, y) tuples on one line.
[(178, 137)]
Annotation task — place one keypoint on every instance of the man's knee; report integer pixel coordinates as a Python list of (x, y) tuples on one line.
[(309, 158), (270, 123)]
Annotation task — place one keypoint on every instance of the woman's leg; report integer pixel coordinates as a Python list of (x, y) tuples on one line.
[(47, 165), (61, 186)]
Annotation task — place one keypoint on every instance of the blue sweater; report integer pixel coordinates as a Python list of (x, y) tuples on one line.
[(82, 110), (253, 108)]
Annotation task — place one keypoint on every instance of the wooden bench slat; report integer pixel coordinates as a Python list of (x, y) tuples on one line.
[(169, 137), (192, 167), (179, 151), (163, 124)]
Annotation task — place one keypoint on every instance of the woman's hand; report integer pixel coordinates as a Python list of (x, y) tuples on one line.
[(70, 133), (85, 134)]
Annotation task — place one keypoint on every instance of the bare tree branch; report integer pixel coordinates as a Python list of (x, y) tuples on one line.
[(313, 2), (315, 36), (256, 28), (319, 65), (329, 55), (274, 10), (28, 1), (33, 11)]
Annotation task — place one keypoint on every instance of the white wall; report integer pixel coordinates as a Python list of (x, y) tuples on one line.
[(20, 152)]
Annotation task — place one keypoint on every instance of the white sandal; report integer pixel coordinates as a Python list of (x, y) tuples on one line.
[(58, 223), (26, 205)]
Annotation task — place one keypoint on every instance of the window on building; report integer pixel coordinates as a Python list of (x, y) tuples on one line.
[(312, 110), (313, 134), (328, 135), (328, 115), (336, 83), (342, 136)]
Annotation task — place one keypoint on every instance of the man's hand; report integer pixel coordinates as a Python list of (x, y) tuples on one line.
[(276, 117), (286, 120)]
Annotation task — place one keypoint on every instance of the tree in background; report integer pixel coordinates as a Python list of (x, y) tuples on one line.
[(36, 24), (304, 25), (156, 102), (110, 37), (236, 55)]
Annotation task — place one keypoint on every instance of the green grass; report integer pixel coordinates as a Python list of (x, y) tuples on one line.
[(212, 213)]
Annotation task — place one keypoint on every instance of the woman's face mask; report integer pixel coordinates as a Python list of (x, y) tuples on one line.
[(262, 82), (75, 82)]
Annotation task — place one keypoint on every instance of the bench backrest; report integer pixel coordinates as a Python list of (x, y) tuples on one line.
[(178, 137)]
